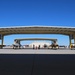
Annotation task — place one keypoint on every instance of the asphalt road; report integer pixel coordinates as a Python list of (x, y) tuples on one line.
[(36, 51), (37, 64)]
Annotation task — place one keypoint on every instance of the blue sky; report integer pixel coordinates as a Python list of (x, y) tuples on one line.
[(37, 12)]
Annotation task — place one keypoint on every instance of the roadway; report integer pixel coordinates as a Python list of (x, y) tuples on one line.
[(36, 51), (37, 62)]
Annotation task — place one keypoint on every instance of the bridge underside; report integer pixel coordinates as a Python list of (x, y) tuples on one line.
[(37, 30), (49, 39)]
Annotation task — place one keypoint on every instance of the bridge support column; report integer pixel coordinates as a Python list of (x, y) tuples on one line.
[(70, 41), (74, 39), (19, 44), (2, 40)]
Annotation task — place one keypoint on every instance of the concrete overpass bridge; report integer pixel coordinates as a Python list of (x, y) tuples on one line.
[(69, 31), (22, 39)]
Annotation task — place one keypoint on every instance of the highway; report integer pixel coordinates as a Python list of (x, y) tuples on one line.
[(36, 51), (37, 62)]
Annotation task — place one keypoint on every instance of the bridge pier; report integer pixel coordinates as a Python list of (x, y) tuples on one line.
[(2, 41), (71, 37), (70, 41), (74, 39)]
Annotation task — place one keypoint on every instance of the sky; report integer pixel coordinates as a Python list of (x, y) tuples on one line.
[(37, 12)]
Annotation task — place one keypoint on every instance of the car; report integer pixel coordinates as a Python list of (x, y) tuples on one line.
[(72, 46), (52, 46)]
